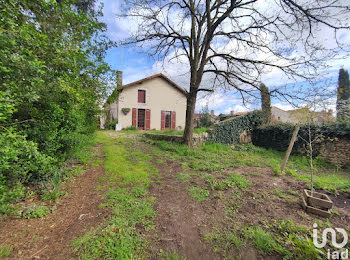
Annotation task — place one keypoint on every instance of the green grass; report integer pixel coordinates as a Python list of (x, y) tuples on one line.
[(264, 241), (131, 128), (198, 194), (240, 181), (331, 182), (183, 177), (232, 181), (33, 211), (167, 132), (217, 157), (170, 256), (223, 240), (200, 130), (297, 239), (84, 152), (127, 178), (5, 250)]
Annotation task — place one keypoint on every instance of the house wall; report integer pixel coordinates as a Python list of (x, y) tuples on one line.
[(114, 110), (280, 115), (160, 95)]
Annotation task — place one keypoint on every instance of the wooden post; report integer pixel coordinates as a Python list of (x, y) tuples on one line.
[(290, 147)]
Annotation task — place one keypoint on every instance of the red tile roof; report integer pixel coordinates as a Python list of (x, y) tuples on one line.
[(159, 75)]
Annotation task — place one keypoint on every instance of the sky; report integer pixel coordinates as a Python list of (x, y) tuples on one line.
[(136, 64)]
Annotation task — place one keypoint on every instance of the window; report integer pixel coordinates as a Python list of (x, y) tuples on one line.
[(141, 96), (167, 120)]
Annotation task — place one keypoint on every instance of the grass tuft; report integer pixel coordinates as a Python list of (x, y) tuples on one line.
[(183, 177), (198, 194), (5, 251)]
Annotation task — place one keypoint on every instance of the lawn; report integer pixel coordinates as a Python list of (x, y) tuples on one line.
[(143, 199), (172, 202)]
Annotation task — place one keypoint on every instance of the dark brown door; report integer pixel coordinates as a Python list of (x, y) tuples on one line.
[(141, 119), (167, 120)]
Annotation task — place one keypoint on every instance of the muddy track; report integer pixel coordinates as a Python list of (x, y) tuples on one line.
[(51, 237)]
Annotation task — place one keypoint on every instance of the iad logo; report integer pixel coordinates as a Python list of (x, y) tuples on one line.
[(334, 254)]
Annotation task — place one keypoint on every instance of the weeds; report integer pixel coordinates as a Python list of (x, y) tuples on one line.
[(197, 193), (183, 177), (264, 241), (217, 157), (33, 211), (5, 250), (240, 181), (296, 239), (170, 256), (224, 240)]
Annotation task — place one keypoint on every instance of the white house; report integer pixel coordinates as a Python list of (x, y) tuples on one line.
[(154, 102)]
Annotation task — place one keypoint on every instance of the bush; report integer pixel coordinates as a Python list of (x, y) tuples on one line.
[(278, 136), (229, 132), (131, 128), (111, 124), (52, 81)]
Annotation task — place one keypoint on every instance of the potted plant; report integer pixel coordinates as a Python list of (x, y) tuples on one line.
[(314, 202), (125, 110)]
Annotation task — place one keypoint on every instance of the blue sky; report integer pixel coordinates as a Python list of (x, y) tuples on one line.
[(136, 65)]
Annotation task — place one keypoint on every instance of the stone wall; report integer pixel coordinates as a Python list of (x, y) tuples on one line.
[(336, 152)]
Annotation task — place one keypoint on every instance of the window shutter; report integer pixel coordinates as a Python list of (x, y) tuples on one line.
[(173, 119), (134, 115), (162, 120), (141, 97), (148, 119)]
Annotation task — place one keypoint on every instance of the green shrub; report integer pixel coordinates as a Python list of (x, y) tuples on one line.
[(229, 132), (110, 125), (8, 195), (131, 128), (278, 136), (51, 83), (34, 211)]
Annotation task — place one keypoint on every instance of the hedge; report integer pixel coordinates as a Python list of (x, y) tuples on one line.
[(228, 132), (278, 136)]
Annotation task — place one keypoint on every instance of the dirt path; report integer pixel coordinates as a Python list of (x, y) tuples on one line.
[(180, 221), (50, 237)]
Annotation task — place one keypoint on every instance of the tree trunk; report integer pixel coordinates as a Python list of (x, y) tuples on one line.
[(191, 105)]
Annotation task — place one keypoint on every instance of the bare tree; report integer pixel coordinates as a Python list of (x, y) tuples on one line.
[(235, 41)]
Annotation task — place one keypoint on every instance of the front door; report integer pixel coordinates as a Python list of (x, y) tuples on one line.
[(141, 119), (167, 124)]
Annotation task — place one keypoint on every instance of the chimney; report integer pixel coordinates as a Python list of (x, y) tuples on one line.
[(212, 113), (119, 78), (232, 112)]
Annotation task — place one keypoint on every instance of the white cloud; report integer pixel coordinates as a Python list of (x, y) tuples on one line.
[(178, 70)]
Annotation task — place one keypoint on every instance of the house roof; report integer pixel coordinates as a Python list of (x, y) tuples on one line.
[(159, 75)]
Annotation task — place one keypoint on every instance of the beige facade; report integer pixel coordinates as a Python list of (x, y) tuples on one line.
[(161, 95), (281, 115), (300, 115)]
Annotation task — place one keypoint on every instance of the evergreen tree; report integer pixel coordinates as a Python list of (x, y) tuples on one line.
[(343, 96), (265, 103)]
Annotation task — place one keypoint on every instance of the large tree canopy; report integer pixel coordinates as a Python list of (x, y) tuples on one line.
[(236, 41), (52, 74)]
